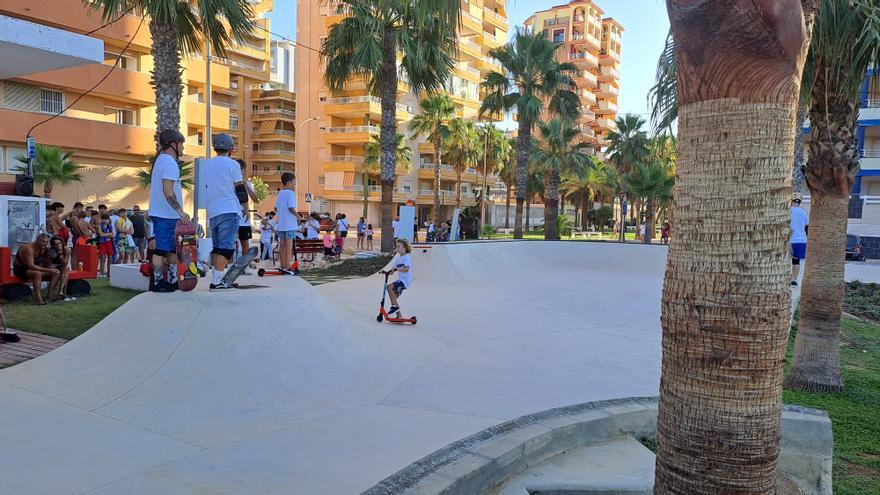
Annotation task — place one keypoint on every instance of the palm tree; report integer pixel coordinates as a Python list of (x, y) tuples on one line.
[(367, 43), (845, 44), (464, 148), (176, 25), (534, 188), (651, 184), (52, 166), (433, 121), (186, 174), (595, 181), (726, 295), (558, 151), (497, 153), (508, 177), (628, 149), (533, 80)]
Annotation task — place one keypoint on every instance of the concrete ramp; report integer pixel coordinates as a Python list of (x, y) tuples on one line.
[(294, 389)]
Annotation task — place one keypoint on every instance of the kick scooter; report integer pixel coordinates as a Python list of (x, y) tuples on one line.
[(384, 314)]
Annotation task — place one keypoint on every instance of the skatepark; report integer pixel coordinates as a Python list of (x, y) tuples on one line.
[(290, 388)]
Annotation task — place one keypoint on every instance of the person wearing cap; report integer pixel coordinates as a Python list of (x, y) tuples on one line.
[(166, 198), (225, 192), (799, 225)]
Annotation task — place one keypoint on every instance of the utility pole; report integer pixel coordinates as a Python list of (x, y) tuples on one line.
[(366, 177), (484, 195)]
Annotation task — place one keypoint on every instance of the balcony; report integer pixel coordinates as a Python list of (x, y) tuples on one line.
[(587, 114), (195, 73), (356, 192), (288, 156), (332, 14), (343, 163), (488, 64), (870, 159), (609, 74), (583, 59), (426, 171), (348, 135), (250, 49), (125, 84), (471, 23), (282, 135), (495, 19), (588, 98), (468, 47), (558, 21), (608, 57), (607, 91), (605, 107), (195, 115), (491, 41), (354, 107), (465, 71), (256, 70), (589, 78), (275, 113), (607, 124)]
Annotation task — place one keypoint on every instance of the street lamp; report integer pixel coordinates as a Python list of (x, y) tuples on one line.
[(296, 130)]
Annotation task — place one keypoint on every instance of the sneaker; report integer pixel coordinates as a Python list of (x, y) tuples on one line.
[(794, 283), (162, 287), (222, 286), (246, 272), (173, 287), (285, 271), (393, 309)]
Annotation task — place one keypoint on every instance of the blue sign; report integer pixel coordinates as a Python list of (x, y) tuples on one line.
[(624, 208), (31, 147)]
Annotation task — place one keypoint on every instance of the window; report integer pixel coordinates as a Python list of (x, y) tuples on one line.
[(125, 117), (200, 138), (559, 36), (407, 188), (233, 122), (233, 84), (51, 101)]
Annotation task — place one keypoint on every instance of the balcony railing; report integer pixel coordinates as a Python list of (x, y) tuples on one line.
[(468, 43), (346, 159), (611, 71), (430, 166), (264, 152), (279, 111), (365, 99), (471, 171), (557, 21), (339, 9), (494, 16), (873, 100), (469, 70), (246, 65), (870, 153), (373, 129), (471, 17)]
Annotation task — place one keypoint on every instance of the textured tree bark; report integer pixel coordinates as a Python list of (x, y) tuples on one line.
[(649, 221), (831, 167), (551, 204), (388, 136), (528, 212), (437, 158), (523, 146), (726, 295), (458, 189), (166, 77), (507, 209), (585, 222)]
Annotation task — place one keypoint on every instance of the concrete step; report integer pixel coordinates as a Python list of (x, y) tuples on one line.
[(622, 466)]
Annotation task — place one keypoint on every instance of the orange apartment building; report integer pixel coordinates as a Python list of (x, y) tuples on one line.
[(593, 45), (334, 128), (111, 129)]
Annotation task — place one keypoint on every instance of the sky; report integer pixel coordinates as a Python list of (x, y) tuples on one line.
[(644, 21)]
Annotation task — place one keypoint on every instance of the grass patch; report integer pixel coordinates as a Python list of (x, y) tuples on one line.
[(354, 267), (539, 235), (863, 300), (854, 412), (70, 319), (650, 443)]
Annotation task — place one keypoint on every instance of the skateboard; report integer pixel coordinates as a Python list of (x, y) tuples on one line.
[(187, 255), (236, 269)]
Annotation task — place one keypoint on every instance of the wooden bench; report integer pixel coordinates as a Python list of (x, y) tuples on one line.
[(589, 234), (76, 281), (309, 247)]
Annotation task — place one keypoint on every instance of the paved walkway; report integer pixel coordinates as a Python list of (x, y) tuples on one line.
[(30, 346)]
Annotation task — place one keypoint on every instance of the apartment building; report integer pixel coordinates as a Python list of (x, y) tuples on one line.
[(333, 129), (111, 129), (593, 44)]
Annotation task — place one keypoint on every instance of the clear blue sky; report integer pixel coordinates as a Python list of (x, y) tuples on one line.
[(645, 23)]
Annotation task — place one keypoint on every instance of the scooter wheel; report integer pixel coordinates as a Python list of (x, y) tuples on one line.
[(379, 318), (261, 272), (413, 320)]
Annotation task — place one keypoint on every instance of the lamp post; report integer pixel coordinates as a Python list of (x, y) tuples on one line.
[(296, 131), (483, 196)]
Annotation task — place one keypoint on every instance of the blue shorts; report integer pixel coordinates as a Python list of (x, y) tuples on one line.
[(397, 287), (284, 235), (224, 231), (798, 250), (163, 230)]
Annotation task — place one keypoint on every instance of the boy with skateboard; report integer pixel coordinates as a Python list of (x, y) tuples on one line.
[(288, 223), (225, 190), (166, 198), (403, 266)]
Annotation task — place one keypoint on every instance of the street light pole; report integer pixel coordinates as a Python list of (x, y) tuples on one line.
[(485, 185), (296, 131)]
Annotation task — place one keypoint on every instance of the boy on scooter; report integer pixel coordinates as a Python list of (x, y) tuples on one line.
[(403, 266)]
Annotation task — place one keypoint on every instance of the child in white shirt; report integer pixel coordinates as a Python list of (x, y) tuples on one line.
[(403, 266)]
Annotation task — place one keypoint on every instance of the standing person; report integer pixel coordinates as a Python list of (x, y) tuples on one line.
[(361, 232), (139, 232), (225, 192), (245, 230), (265, 239), (285, 207), (55, 222), (166, 198), (313, 227), (96, 219), (664, 233), (124, 241), (395, 227), (28, 265), (329, 252), (800, 224), (114, 218), (429, 229), (369, 237), (341, 231), (105, 245), (58, 257), (403, 266)]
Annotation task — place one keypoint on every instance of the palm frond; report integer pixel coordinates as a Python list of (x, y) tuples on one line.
[(663, 96)]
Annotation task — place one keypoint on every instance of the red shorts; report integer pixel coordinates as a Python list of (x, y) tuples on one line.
[(105, 249)]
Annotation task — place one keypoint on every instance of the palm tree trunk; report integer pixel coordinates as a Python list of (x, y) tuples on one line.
[(388, 136), (585, 222), (551, 204), (166, 76), (507, 209), (523, 147), (458, 190), (622, 214), (649, 222), (437, 157), (831, 167), (528, 213), (726, 296), (815, 364), (47, 189)]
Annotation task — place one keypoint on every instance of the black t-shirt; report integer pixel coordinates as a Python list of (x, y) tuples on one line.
[(140, 226)]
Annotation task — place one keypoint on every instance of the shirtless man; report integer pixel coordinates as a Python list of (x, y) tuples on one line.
[(26, 266)]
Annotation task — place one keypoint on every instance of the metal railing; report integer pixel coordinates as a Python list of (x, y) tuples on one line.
[(270, 152), (280, 111), (365, 99), (470, 44), (346, 159), (355, 128), (557, 21), (870, 153), (471, 17), (468, 69), (430, 166), (494, 16), (872, 100)]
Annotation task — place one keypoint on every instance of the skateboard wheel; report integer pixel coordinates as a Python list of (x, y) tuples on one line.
[(413, 320), (261, 272), (379, 318)]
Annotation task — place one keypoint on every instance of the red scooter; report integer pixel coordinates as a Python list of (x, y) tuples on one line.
[(384, 314)]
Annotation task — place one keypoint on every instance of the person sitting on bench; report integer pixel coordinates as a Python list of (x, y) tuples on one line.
[(25, 267)]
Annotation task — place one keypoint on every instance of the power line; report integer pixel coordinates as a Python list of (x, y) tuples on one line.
[(93, 31), (285, 38), (109, 72)]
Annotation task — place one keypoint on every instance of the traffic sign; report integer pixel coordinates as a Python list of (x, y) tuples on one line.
[(308, 197), (31, 147)]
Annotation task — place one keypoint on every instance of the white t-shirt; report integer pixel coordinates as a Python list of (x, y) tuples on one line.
[(799, 222), (287, 221), (245, 215), (113, 220), (220, 175), (343, 225), (165, 168), (407, 277), (394, 226), (312, 229), (430, 227), (265, 232)]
